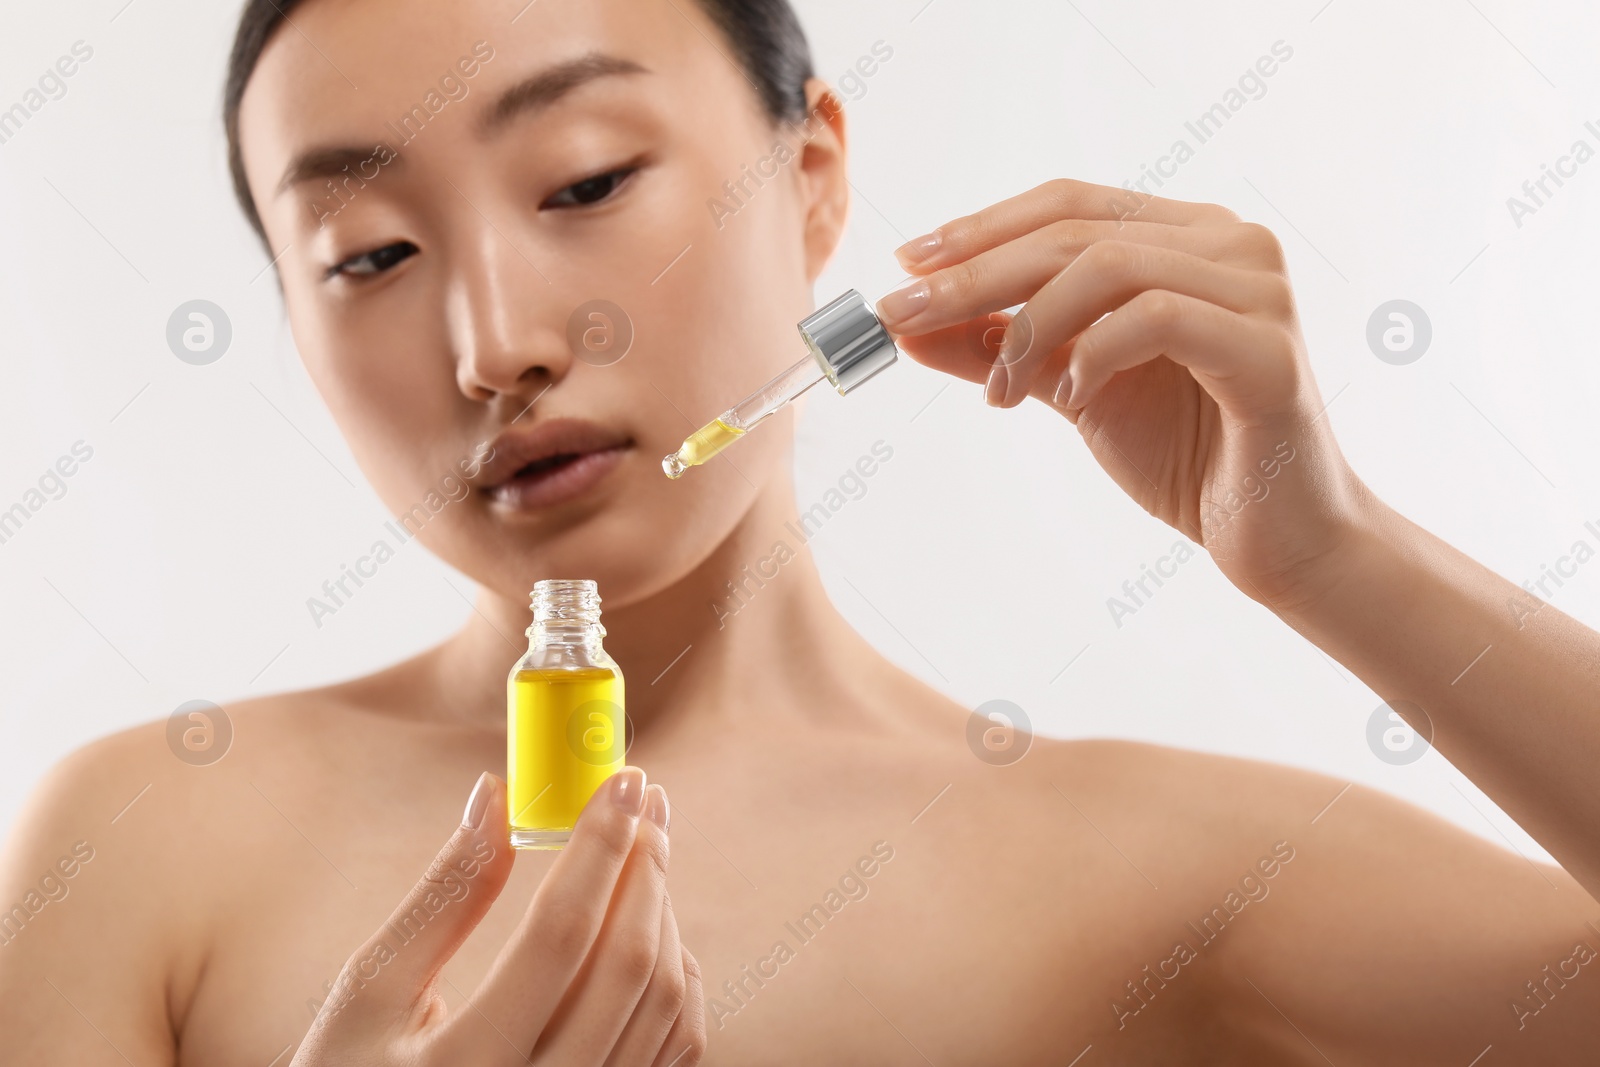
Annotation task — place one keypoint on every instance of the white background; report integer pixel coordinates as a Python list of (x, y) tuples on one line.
[(177, 565)]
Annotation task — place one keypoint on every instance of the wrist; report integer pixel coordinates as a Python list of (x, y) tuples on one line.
[(1356, 538)]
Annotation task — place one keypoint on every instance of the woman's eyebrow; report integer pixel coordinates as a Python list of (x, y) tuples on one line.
[(326, 162), (543, 88), (533, 93)]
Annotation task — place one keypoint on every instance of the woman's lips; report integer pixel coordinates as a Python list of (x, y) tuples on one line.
[(559, 483)]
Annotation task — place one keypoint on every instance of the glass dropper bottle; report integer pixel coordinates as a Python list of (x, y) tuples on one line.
[(846, 344)]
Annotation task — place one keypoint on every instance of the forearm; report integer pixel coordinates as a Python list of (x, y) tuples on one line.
[(1509, 684)]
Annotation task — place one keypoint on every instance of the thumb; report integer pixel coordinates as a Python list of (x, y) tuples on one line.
[(966, 350), (394, 968)]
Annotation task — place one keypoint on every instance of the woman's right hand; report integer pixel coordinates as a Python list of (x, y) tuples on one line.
[(593, 975)]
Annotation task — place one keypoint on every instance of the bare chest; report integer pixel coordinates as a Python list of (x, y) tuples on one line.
[(841, 934)]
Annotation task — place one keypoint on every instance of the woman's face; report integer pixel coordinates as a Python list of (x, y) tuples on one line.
[(509, 166)]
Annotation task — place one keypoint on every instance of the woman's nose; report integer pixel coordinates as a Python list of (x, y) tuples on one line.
[(506, 326)]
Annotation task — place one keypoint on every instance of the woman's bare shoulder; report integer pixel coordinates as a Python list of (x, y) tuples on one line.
[(91, 783), (110, 874), (156, 778), (1204, 778), (1190, 817), (1197, 813), (100, 790)]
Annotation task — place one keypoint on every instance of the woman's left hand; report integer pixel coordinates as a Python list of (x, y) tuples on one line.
[(1167, 332), (1173, 329)]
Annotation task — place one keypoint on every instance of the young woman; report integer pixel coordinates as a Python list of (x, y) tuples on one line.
[(496, 165)]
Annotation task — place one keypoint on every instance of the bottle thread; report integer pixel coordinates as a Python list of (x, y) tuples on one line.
[(565, 609)]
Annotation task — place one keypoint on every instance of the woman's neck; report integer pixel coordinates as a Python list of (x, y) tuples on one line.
[(752, 619)]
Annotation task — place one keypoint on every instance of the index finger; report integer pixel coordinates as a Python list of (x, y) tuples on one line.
[(399, 962), (1061, 198), (540, 959)]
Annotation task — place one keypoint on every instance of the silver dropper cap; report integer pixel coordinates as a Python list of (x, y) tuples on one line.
[(848, 341)]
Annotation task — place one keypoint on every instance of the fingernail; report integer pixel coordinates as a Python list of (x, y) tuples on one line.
[(1063, 389), (994, 390), (627, 790), (658, 811), (919, 250), (905, 300), (477, 803)]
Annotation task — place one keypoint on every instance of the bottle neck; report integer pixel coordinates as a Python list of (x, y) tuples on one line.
[(566, 613)]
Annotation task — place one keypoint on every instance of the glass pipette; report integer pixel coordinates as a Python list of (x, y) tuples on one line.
[(740, 419), (846, 345)]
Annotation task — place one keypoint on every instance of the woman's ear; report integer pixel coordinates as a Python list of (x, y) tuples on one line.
[(824, 183)]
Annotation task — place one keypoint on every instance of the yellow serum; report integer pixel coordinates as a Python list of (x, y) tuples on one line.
[(700, 446), (566, 734)]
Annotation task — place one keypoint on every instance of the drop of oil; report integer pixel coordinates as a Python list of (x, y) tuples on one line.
[(673, 465)]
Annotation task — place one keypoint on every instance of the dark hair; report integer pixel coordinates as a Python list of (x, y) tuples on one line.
[(765, 35)]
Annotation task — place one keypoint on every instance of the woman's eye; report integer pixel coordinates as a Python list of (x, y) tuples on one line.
[(590, 190), (375, 262)]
